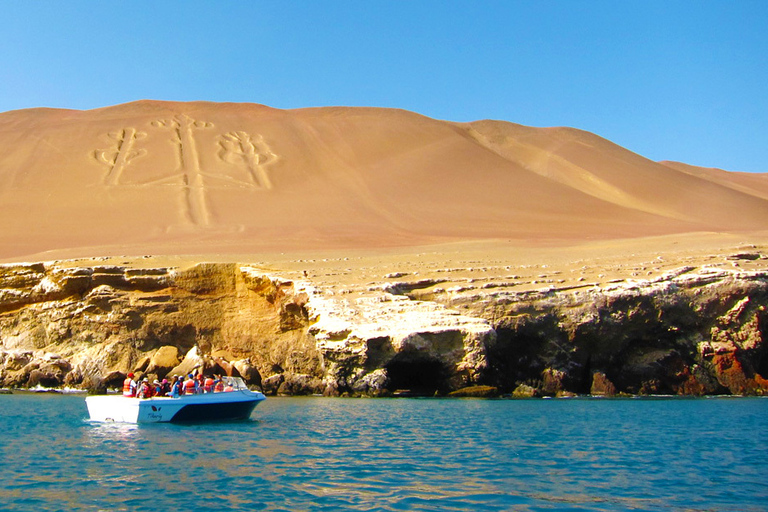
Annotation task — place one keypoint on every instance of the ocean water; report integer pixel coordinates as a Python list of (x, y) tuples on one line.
[(393, 454)]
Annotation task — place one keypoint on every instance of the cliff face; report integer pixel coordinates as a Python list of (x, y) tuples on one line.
[(684, 333), (692, 331), (80, 326)]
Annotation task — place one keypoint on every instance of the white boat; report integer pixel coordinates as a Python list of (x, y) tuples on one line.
[(226, 405)]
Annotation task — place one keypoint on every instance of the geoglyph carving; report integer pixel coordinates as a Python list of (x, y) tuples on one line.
[(249, 153), (241, 148), (193, 185), (119, 156)]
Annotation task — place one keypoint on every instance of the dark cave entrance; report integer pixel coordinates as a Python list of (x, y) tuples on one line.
[(416, 374)]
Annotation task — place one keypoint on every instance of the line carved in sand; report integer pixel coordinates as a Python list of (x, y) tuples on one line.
[(247, 152), (240, 148), (120, 155), (194, 198)]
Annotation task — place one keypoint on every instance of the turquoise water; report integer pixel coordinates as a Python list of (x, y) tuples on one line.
[(393, 454)]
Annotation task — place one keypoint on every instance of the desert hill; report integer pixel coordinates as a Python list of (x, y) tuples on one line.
[(369, 251), (199, 178), (747, 182)]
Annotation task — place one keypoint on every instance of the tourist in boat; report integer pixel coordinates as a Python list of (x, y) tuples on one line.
[(190, 385), (176, 386), (145, 390), (218, 385), (157, 388), (208, 385), (165, 387), (129, 386)]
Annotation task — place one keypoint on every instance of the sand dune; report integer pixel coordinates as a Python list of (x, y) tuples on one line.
[(755, 184), (202, 178)]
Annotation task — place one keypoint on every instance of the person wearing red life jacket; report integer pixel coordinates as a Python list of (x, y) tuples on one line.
[(150, 391), (145, 390), (228, 387), (208, 385), (218, 387), (190, 385), (129, 386)]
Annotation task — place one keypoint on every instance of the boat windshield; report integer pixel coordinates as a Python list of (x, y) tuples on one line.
[(235, 383)]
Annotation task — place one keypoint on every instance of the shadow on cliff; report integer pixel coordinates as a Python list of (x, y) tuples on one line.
[(685, 338), (417, 375)]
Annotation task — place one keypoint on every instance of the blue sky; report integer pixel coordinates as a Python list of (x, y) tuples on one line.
[(677, 80)]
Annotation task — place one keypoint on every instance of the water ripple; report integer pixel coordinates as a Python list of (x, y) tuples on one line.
[(393, 455)]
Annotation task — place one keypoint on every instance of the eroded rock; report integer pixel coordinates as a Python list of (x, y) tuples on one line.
[(271, 384), (476, 392), (689, 331), (164, 360), (525, 391), (601, 385), (248, 372), (300, 384)]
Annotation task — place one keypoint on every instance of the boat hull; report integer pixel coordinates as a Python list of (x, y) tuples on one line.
[(232, 405)]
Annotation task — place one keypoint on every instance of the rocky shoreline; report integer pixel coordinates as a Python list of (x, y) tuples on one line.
[(695, 330)]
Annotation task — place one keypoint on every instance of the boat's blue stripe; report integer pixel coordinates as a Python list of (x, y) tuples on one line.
[(221, 411)]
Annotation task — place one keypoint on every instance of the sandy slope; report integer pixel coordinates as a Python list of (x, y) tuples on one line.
[(755, 184), (236, 179)]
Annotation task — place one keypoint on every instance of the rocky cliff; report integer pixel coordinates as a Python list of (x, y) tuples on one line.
[(693, 331), (84, 326)]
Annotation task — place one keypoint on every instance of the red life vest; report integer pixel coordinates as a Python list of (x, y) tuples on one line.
[(129, 388), (219, 386), (208, 385), (145, 390), (189, 387)]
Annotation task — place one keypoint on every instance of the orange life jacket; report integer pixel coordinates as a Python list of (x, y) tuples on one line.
[(129, 390), (208, 385), (219, 387), (189, 387)]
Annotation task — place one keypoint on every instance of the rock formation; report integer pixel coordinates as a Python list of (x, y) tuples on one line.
[(692, 331), (689, 332), (78, 326)]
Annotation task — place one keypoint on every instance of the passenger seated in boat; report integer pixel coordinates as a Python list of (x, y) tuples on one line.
[(165, 387), (218, 386), (208, 385), (157, 388), (129, 386), (190, 385), (176, 387), (145, 390)]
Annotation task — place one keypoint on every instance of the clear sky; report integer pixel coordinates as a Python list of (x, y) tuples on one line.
[(676, 80)]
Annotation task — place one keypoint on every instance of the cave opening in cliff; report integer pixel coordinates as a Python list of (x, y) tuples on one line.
[(517, 356), (416, 374)]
